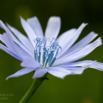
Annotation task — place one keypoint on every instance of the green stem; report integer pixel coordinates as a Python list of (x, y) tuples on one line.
[(36, 83)]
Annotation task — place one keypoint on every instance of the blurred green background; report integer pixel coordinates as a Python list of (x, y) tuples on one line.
[(85, 88)]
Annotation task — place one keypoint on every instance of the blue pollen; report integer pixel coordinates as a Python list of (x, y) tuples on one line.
[(45, 51)]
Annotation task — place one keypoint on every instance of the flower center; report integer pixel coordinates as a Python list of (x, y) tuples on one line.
[(45, 51)]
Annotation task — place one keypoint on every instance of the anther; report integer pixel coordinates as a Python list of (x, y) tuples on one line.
[(45, 51)]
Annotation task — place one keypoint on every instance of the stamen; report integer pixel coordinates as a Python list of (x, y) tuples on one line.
[(45, 51)]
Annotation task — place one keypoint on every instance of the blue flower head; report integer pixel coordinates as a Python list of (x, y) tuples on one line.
[(49, 53)]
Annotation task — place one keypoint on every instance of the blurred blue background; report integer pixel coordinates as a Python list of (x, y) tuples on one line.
[(85, 88)]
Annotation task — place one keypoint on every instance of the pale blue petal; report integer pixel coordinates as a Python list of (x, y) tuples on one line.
[(75, 69), (3, 26), (95, 65), (69, 41), (53, 28), (80, 54), (9, 52), (21, 72), (86, 40), (6, 38), (35, 25), (40, 73), (21, 52), (32, 36), (59, 72), (66, 35), (79, 63), (23, 39), (30, 62)]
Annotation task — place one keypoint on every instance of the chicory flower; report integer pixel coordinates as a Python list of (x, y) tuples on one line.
[(49, 53)]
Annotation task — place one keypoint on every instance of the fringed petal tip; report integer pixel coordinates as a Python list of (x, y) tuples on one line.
[(97, 65), (101, 40), (84, 24)]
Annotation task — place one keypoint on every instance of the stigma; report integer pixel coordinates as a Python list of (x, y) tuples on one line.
[(45, 51)]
